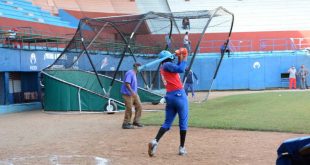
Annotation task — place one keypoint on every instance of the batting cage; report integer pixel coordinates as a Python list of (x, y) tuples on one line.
[(87, 74)]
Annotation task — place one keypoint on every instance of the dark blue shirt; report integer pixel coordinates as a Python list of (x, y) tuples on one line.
[(190, 75)]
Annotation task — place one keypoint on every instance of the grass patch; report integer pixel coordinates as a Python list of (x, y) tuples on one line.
[(270, 111)]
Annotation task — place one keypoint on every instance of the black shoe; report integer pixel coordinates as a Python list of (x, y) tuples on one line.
[(127, 126), (138, 124)]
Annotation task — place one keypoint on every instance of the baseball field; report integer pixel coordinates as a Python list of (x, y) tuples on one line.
[(234, 128)]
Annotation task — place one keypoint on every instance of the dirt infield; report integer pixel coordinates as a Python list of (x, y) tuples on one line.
[(35, 133)]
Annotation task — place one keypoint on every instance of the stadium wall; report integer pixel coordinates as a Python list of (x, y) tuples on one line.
[(241, 71), (249, 32), (240, 41), (79, 14), (249, 71), (108, 6), (235, 70), (269, 19), (13, 108), (2, 89)]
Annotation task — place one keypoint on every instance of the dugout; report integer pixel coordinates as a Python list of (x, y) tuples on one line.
[(19, 87)]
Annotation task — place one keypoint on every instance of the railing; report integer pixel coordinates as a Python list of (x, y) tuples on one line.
[(213, 46), (275, 44), (300, 43), (29, 30), (285, 44), (31, 39)]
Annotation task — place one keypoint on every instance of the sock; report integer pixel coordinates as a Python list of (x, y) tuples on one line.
[(182, 137), (160, 133)]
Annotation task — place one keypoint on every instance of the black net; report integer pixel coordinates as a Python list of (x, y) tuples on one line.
[(211, 43), (125, 38)]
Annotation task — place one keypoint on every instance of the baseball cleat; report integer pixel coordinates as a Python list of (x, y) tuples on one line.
[(182, 151), (152, 147)]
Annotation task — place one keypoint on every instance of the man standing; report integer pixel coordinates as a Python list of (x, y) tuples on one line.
[(176, 99), (130, 95), (303, 74), (225, 48), (190, 81), (292, 77), (185, 23), (187, 43)]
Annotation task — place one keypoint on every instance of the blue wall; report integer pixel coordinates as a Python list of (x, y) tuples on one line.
[(2, 91), (13, 108), (255, 70)]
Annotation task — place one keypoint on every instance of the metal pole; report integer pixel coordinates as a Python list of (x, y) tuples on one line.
[(222, 53), (91, 62), (92, 41), (79, 97), (127, 47)]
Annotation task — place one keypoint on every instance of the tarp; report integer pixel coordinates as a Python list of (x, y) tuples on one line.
[(72, 90)]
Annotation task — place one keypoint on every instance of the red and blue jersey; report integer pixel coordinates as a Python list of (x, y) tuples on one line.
[(170, 75)]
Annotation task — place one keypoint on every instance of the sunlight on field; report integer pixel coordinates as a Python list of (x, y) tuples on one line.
[(272, 111)]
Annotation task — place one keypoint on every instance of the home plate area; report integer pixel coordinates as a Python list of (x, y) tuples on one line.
[(56, 160)]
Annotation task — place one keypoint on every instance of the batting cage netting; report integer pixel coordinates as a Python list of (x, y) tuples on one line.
[(86, 76)]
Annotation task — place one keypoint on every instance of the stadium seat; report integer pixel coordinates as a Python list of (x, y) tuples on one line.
[(24, 10)]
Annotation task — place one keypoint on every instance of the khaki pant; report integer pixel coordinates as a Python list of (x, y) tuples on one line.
[(129, 102)]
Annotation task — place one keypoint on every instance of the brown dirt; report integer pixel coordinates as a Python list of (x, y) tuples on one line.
[(35, 133)]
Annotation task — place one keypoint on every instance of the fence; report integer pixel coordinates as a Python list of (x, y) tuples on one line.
[(30, 39)]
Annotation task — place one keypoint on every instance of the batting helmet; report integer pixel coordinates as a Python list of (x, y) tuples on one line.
[(166, 54)]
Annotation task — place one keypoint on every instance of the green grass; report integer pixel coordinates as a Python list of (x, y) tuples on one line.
[(271, 111)]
